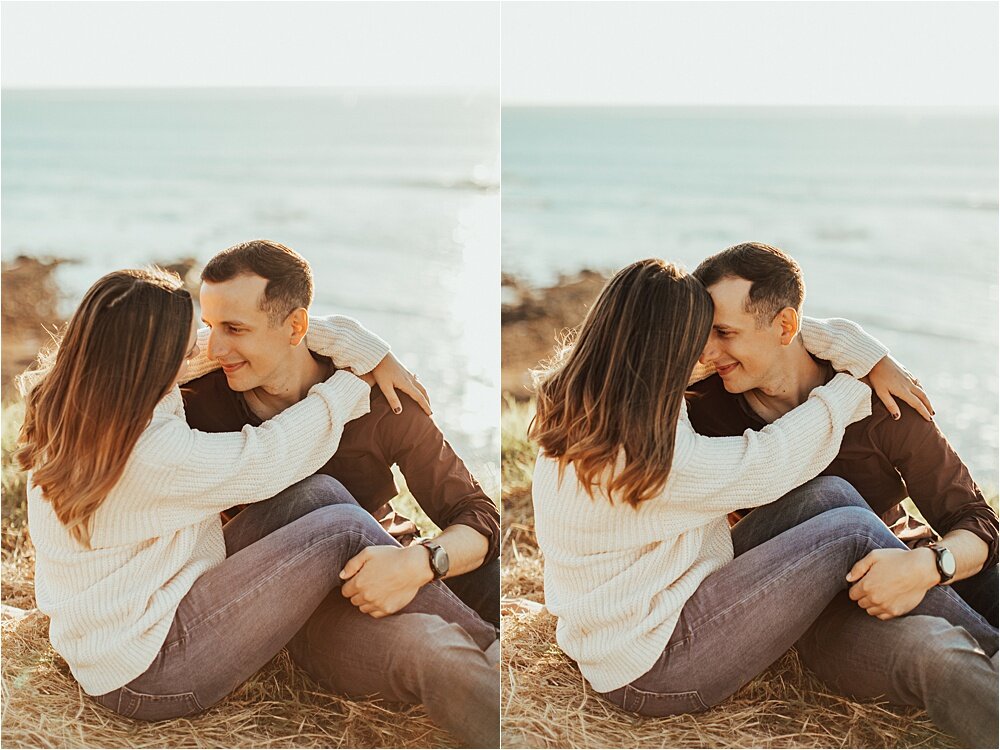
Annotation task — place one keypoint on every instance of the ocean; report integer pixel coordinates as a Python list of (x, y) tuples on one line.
[(891, 213), (393, 199)]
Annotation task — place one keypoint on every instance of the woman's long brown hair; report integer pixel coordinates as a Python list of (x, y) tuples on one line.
[(620, 385), (118, 356)]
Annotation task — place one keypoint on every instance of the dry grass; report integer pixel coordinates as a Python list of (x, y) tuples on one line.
[(280, 706), (547, 703)]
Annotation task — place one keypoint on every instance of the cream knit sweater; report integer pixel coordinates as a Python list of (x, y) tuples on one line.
[(159, 529), (617, 578)]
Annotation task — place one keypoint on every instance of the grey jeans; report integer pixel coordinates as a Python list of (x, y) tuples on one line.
[(746, 615), (279, 585), (934, 660)]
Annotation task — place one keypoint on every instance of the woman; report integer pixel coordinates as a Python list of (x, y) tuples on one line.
[(630, 507), (124, 502)]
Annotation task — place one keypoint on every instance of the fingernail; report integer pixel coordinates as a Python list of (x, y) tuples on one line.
[(397, 409), (895, 415)]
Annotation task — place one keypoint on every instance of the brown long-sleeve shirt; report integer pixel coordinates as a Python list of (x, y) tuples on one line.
[(884, 459), (370, 445)]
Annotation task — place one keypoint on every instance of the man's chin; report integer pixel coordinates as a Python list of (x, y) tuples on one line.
[(238, 384), (733, 385)]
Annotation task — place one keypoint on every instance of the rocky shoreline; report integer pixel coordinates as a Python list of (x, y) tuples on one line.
[(533, 320), (31, 307)]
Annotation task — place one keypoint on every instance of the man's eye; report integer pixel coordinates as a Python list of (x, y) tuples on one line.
[(235, 330)]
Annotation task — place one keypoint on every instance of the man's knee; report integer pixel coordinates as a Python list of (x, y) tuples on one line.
[(322, 489), (313, 492), (347, 516), (832, 492), (847, 519)]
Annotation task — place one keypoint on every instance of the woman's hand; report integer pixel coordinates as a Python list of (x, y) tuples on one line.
[(888, 378), (391, 376)]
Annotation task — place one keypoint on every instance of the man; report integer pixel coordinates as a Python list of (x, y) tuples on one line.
[(255, 297), (762, 372)]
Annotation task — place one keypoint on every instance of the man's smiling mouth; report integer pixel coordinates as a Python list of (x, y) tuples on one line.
[(726, 369)]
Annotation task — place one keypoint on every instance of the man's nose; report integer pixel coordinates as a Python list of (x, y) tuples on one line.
[(214, 349), (709, 354)]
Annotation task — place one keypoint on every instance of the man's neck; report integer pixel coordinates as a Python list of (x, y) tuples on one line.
[(794, 376), (289, 386)]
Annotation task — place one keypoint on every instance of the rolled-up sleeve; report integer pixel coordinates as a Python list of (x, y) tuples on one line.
[(939, 484), (439, 480)]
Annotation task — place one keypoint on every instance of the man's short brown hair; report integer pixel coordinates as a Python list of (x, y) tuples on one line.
[(776, 279), (289, 277)]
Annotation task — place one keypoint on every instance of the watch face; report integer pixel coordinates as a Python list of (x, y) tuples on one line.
[(947, 561), (440, 561)]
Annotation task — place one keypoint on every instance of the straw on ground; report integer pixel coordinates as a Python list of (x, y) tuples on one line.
[(546, 702), (280, 706)]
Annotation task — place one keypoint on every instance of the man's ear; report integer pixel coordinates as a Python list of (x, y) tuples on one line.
[(788, 320), (298, 319)]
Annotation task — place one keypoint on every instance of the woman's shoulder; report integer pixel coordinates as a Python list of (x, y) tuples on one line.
[(167, 437), (685, 440)]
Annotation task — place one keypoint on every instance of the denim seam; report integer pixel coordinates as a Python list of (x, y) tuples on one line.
[(137, 699), (278, 570), (801, 561), (646, 694)]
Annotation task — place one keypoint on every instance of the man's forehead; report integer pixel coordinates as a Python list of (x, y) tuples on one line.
[(239, 297), (730, 296)]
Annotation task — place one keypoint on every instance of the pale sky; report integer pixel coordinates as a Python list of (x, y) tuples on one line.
[(859, 53), (147, 44), (751, 53)]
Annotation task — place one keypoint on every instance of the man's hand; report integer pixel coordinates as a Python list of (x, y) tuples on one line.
[(383, 580), (390, 376), (888, 378), (891, 582)]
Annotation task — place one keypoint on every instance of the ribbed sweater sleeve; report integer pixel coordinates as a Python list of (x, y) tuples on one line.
[(722, 474), (843, 343), (343, 339), (346, 342), (177, 475)]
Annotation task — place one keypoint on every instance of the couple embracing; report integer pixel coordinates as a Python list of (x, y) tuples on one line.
[(143, 434), (666, 605)]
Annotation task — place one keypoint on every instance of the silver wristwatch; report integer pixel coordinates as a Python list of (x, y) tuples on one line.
[(945, 562), (438, 558)]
